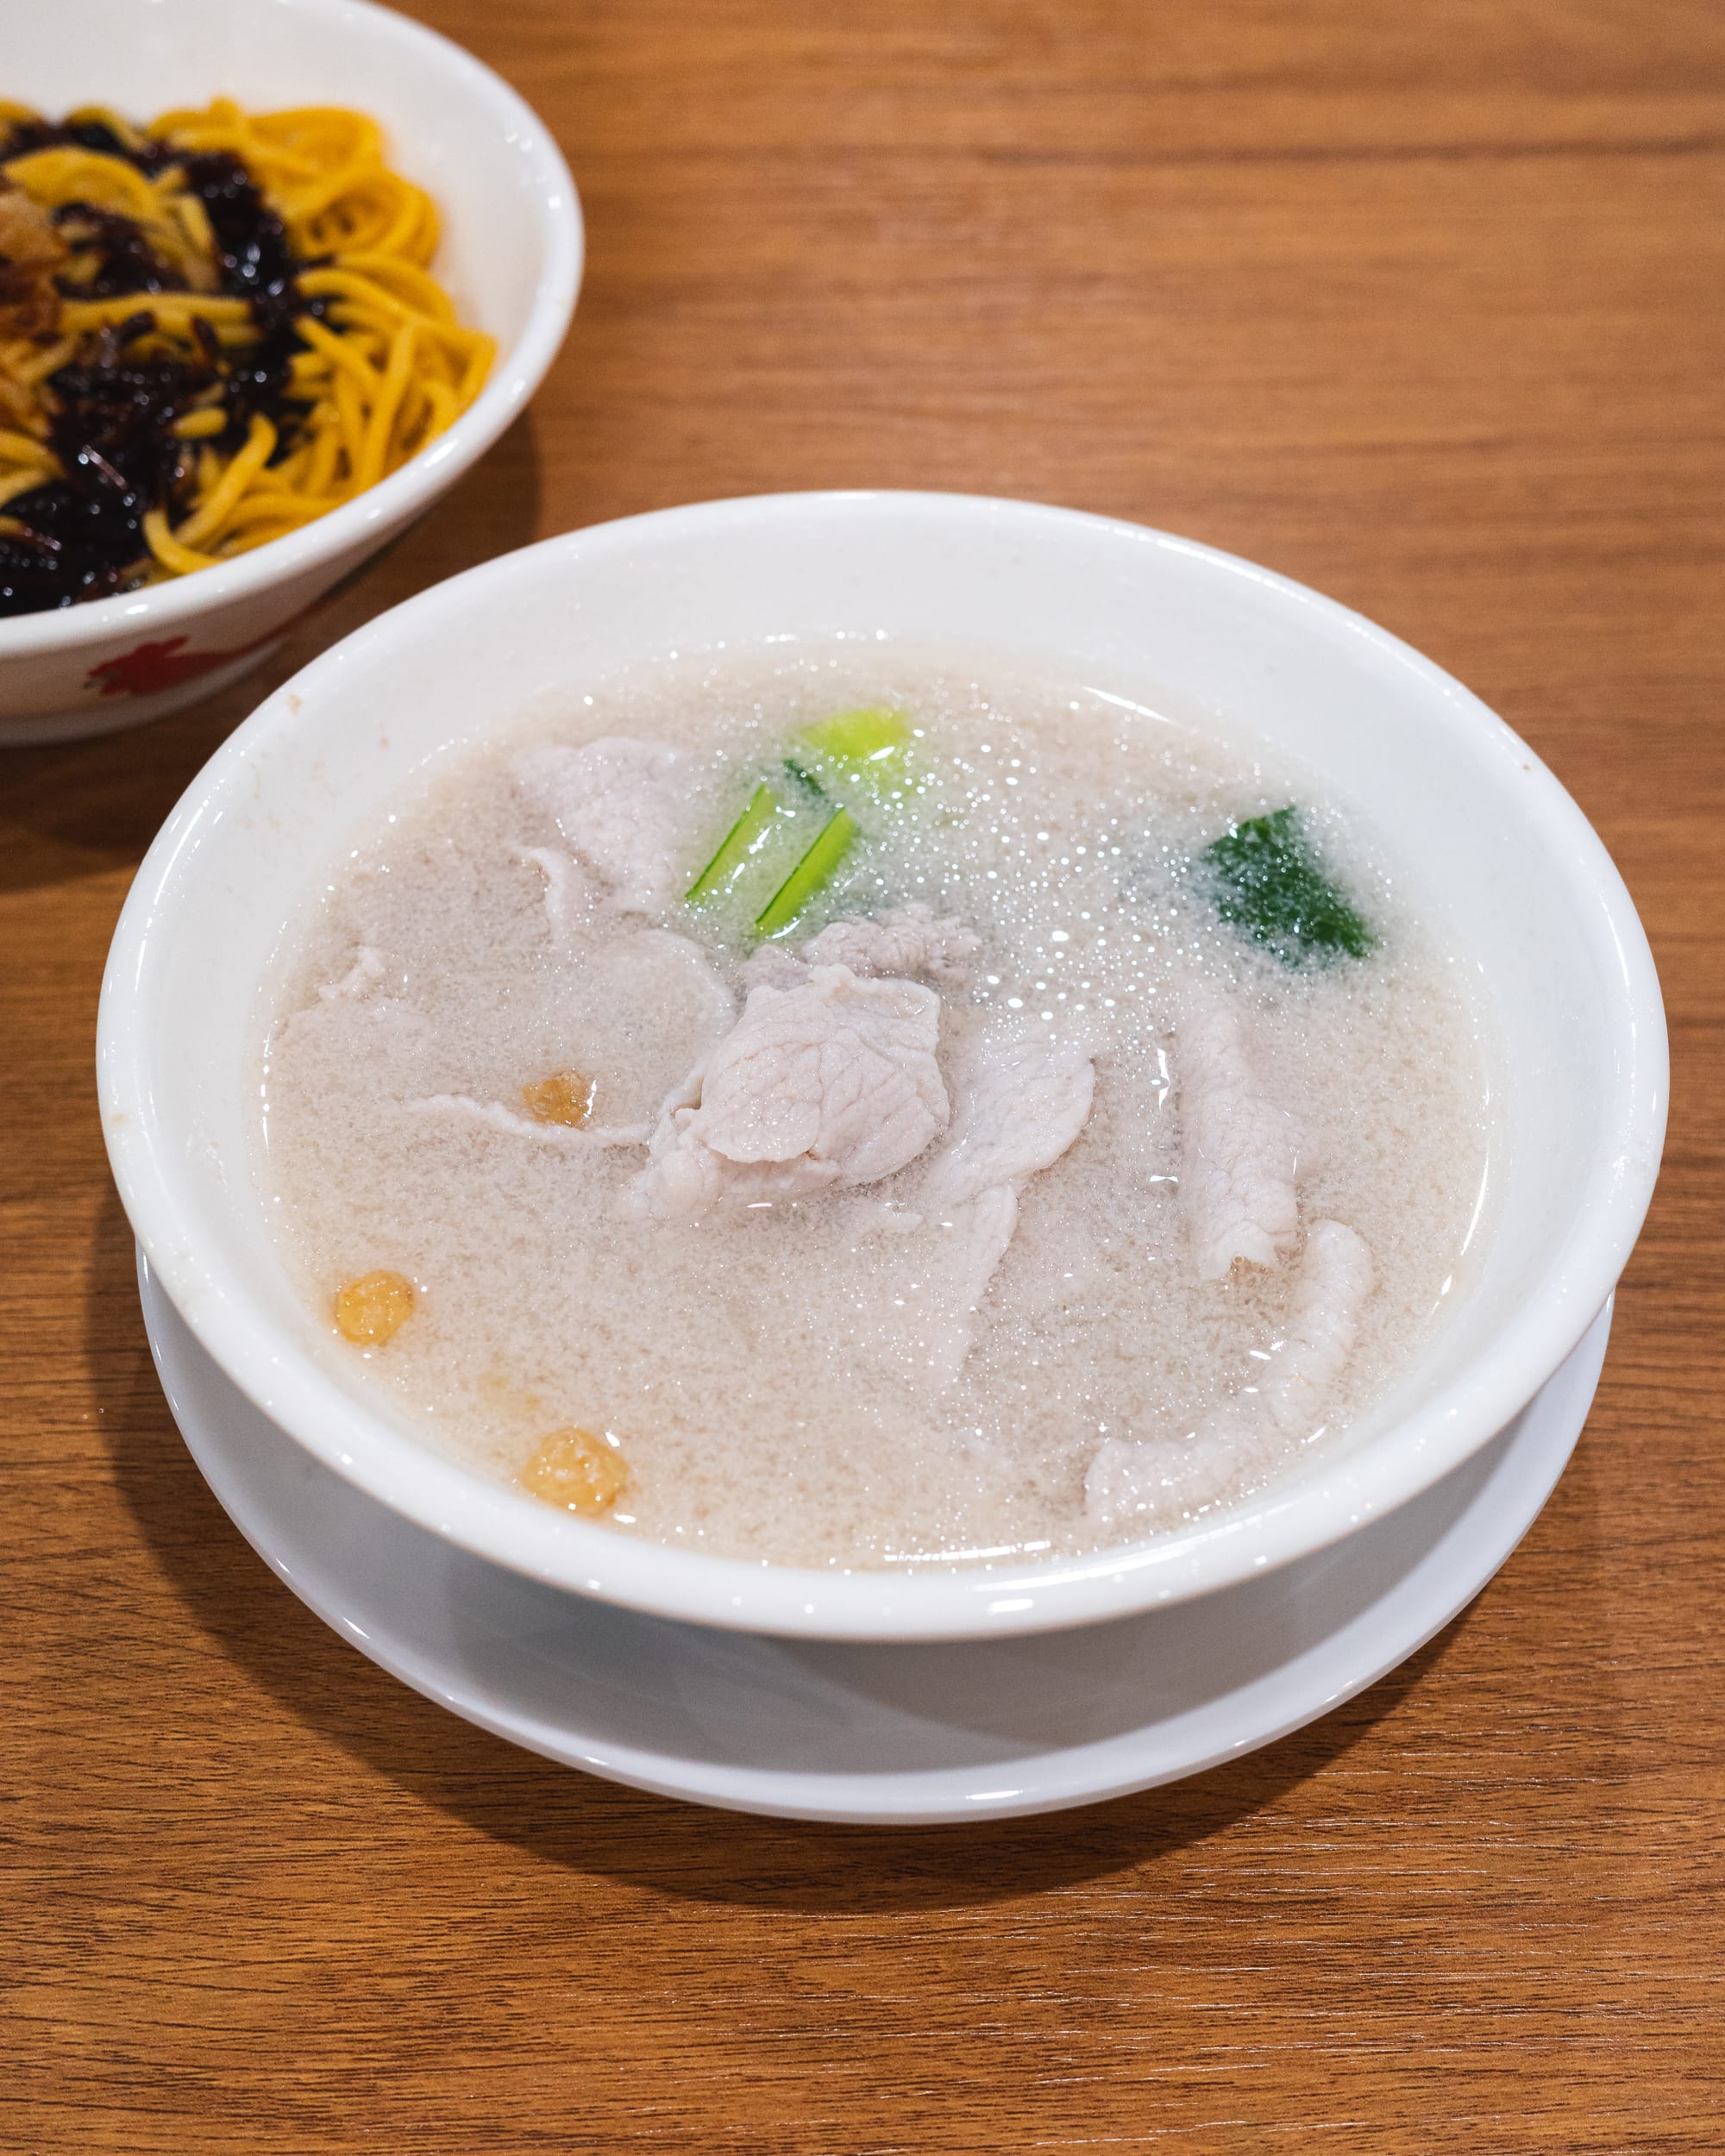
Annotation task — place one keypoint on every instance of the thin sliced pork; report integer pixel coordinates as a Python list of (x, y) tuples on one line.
[(1021, 1103), (618, 805), (1137, 1478), (1240, 1151), (910, 943), (823, 1085), (568, 887)]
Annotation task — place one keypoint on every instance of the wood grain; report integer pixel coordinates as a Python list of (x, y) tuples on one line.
[(1420, 304)]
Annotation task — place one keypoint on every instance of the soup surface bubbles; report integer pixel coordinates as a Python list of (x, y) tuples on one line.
[(1028, 1185)]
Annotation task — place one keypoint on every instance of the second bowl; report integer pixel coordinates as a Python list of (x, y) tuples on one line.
[(1494, 849), (510, 256)]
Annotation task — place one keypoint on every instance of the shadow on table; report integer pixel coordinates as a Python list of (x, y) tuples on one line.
[(569, 1820), (79, 808)]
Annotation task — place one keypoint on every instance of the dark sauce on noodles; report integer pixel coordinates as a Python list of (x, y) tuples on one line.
[(114, 406)]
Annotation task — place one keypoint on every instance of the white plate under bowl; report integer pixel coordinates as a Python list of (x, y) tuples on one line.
[(871, 1733)]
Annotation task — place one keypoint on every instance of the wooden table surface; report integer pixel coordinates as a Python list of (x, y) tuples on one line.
[(1420, 305)]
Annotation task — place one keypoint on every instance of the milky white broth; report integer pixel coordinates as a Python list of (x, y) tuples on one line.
[(767, 1372)]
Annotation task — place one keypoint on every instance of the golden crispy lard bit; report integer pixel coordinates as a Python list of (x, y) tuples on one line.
[(577, 1471), (374, 1308), (564, 1097), (31, 250)]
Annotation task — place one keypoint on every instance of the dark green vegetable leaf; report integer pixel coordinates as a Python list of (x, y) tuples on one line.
[(1265, 877)]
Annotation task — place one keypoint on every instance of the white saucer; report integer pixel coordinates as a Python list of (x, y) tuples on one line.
[(839, 1731)]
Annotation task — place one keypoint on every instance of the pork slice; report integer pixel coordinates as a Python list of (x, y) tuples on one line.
[(1155, 1481), (977, 1236), (1022, 1101), (773, 966), (619, 808), (569, 888), (827, 1083), (658, 986), (1240, 1151), (911, 941), (1336, 1275)]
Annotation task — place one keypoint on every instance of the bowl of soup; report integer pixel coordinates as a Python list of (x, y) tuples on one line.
[(882, 1065), (276, 275)]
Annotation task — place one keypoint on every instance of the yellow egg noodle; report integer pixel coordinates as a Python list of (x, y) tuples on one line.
[(381, 368)]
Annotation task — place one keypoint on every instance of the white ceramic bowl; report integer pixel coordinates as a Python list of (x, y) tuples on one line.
[(511, 258), (1491, 847)]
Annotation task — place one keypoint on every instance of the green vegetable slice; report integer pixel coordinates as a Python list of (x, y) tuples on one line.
[(859, 737), (863, 754), (739, 846), (843, 769), (1267, 879), (810, 875)]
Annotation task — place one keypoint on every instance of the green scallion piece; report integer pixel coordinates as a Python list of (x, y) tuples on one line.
[(810, 875), (740, 845), (862, 753), (859, 737)]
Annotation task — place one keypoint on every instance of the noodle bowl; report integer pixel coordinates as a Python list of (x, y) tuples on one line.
[(509, 255), (212, 331)]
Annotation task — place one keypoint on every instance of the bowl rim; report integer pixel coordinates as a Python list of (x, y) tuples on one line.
[(517, 373), (511, 1529)]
